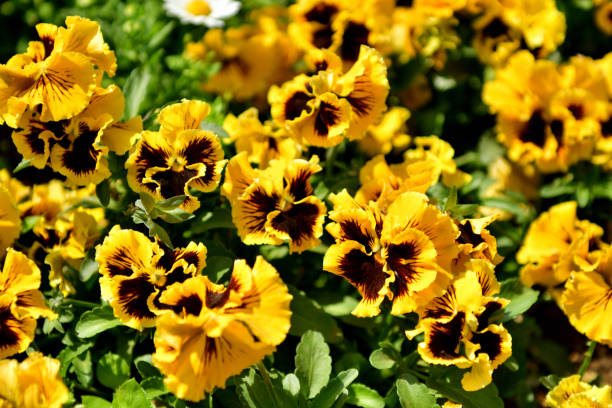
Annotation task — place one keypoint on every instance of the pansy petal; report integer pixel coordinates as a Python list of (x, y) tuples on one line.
[(361, 270)]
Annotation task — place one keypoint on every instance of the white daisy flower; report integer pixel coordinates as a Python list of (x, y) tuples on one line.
[(210, 13)]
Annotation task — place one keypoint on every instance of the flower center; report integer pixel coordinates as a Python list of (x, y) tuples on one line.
[(198, 8), (178, 164)]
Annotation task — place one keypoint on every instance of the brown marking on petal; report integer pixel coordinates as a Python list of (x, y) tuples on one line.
[(198, 150), (467, 234), (495, 28), (8, 336), (299, 221), (351, 231), (210, 349), (363, 271), (323, 37), (172, 183), (191, 304), (355, 34), (148, 157), (119, 262), (83, 156), (239, 63), (404, 3), (321, 13), (485, 283), (272, 144), (49, 44), (402, 260), (606, 127), (534, 130), (556, 127), (483, 318), (299, 185), (360, 99), (257, 207), (445, 337), (327, 116), (209, 174), (576, 110), (295, 105), (216, 299), (443, 306), (133, 295), (321, 66), (490, 343)]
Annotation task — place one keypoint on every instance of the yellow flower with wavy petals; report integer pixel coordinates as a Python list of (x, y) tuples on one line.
[(214, 331), (32, 383), (21, 303)]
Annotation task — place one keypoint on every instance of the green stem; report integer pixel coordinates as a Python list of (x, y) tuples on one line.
[(330, 156), (268, 381), (588, 356), (81, 303)]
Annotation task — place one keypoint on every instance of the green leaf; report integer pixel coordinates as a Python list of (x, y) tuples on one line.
[(271, 252), (29, 222), (154, 387), (103, 192), (156, 230), (23, 164), (330, 393), (217, 267), (112, 370), (218, 218), (135, 90), (313, 364), (520, 296), (216, 129), (146, 202), (96, 321), (88, 268), (381, 359), (83, 368), (90, 401), (550, 381), (415, 395), (255, 393), (159, 36), (130, 395), (291, 384), (583, 195), (308, 315), (170, 203), (144, 365), (364, 397), (447, 381), (176, 215), (67, 355)]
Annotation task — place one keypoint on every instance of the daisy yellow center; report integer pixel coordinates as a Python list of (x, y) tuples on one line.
[(198, 8)]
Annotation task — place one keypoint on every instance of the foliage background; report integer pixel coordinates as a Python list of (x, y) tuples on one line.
[(153, 73)]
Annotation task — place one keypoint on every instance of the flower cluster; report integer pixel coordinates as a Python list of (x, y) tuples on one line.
[(21, 303), (52, 96), (59, 231), (568, 257), (458, 328), (572, 392), (180, 156), (391, 242), (204, 331), (33, 383), (324, 108), (553, 115), (329, 144)]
